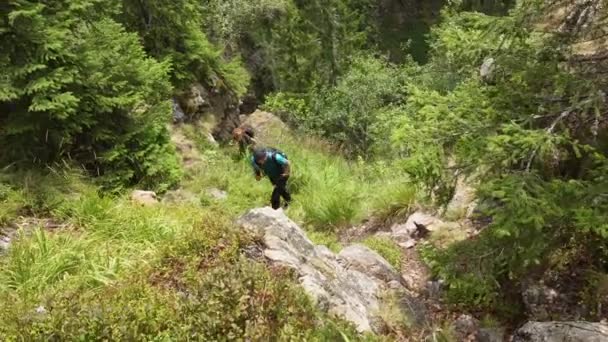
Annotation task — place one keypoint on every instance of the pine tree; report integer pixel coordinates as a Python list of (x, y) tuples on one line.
[(77, 86)]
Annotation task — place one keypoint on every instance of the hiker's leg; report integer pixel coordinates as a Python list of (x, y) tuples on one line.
[(275, 199), (284, 192)]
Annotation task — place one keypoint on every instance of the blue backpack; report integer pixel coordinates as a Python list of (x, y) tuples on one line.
[(276, 151)]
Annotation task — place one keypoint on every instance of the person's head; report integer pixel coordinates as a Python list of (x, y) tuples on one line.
[(237, 133), (259, 156)]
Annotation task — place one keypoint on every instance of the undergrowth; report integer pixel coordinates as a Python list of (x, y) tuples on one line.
[(114, 270)]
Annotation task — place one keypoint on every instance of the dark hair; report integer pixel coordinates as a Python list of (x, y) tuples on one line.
[(259, 154)]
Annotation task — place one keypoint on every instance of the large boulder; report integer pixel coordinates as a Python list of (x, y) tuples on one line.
[(351, 285), (562, 332), (265, 123), (145, 198), (363, 259), (416, 224)]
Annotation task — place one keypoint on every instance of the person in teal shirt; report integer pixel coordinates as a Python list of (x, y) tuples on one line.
[(274, 164)]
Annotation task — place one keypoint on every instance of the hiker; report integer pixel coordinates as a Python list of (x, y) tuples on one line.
[(244, 136), (274, 164)]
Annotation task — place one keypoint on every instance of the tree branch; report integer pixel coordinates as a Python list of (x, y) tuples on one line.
[(550, 130)]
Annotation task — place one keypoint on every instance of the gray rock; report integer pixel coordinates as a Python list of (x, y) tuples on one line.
[(217, 194), (178, 112), (406, 231), (408, 244), (180, 196), (465, 325), (144, 198), (365, 260), (490, 335), (350, 285), (539, 301), (486, 70), (462, 203), (575, 331), (5, 243), (265, 123)]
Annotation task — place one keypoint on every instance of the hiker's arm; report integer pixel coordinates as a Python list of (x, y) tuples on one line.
[(286, 170), (256, 170)]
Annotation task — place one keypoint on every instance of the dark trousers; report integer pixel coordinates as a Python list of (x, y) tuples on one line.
[(280, 190)]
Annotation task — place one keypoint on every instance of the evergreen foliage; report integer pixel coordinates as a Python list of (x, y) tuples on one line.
[(534, 134), (173, 31), (77, 86)]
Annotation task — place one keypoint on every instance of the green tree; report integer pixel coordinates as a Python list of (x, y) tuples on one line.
[(174, 31), (75, 85), (533, 133)]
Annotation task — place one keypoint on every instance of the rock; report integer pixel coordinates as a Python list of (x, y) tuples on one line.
[(41, 310), (144, 198), (462, 203), (350, 285), (265, 123), (434, 289), (180, 196), (465, 326), (365, 260), (178, 112), (539, 301), (575, 331), (217, 194), (416, 224), (490, 335), (5, 243), (408, 244), (486, 70), (194, 100)]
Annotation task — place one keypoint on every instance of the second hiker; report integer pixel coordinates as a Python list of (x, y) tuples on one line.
[(244, 136), (274, 164)]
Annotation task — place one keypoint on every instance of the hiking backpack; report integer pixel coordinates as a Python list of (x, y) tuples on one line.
[(276, 151)]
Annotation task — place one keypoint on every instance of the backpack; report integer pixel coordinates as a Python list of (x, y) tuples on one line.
[(276, 151)]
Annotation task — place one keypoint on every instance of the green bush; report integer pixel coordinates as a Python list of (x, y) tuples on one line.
[(355, 113)]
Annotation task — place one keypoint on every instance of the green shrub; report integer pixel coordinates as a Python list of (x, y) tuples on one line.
[(387, 248), (355, 112)]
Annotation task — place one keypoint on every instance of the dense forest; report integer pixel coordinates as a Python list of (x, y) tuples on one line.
[(387, 109)]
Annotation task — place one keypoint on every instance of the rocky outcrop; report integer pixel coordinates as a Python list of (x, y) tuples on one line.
[(145, 198), (562, 332), (350, 285), (265, 123), (219, 107)]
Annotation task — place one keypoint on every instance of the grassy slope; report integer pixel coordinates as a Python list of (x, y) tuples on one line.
[(123, 272)]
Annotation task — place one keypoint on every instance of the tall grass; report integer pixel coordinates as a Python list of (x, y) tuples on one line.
[(330, 192)]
